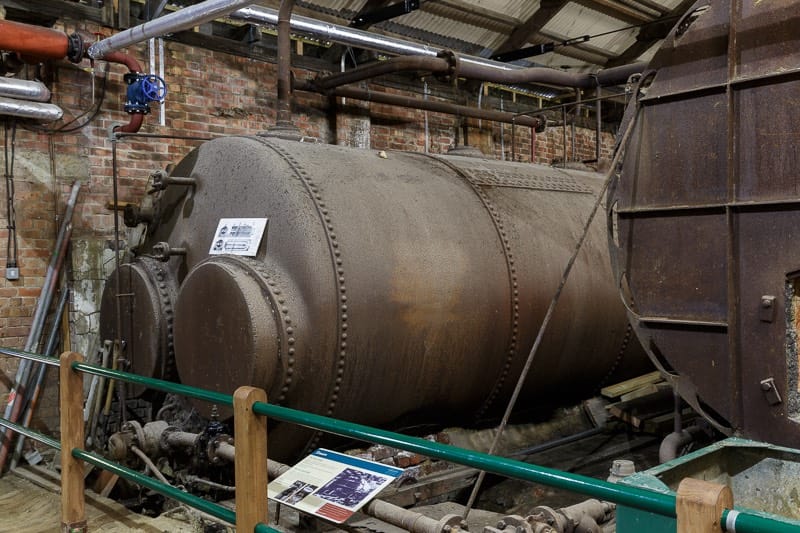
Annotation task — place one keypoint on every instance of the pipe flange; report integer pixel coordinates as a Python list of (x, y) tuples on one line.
[(454, 63), (75, 48), (213, 446)]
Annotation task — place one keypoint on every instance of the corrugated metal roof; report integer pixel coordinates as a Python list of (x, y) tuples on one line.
[(575, 20), (482, 27)]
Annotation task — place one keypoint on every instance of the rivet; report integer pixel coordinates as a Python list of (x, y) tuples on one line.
[(344, 316), (277, 291), (288, 381), (344, 307), (337, 253), (340, 271), (270, 283), (285, 309), (338, 260), (287, 320), (281, 300), (290, 341), (514, 284), (344, 326), (344, 335), (516, 292), (335, 396), (325, 212), (338, 380), (330, 409), (290, 330), (344, 298), (291, 359), (342, 288), (321, 204), (515, 328), (343, 344), (516, 307), (285, 389), (341, 362), (333, 235), (334, 244), (318, 197), (340, 372)]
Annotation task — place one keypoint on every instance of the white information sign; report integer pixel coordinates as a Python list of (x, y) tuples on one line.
[(238, 236), (331, 485)]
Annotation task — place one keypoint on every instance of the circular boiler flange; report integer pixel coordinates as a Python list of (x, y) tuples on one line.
[(146, 292), (227, 330)]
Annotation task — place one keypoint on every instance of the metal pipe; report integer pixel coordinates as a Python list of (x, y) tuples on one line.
[(180, 20), (35, 91), (26, 109), (215, 510), (444, 65), (153, 468), (425, 104), (284, 111), (468, 64), (35, 435), (34, 41)]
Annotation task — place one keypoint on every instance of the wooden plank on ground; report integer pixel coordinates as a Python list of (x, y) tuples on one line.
[(635, 412), (617, 390)]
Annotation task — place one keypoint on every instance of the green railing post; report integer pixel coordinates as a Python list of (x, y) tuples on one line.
[(73, 506), (250, 436)]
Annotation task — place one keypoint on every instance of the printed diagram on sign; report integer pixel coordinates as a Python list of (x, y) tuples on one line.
[(238, 236), (331, 485)]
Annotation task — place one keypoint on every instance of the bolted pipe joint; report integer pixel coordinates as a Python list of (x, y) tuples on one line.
[(163, 251)]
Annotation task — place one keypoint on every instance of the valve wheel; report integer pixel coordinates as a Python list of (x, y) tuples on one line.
[(154, 88)]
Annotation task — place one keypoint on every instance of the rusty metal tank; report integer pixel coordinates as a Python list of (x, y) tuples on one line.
[(386, 284), (705, 215)]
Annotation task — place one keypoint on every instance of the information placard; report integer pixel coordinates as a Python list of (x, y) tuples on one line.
[(331, 485), (238, 236)]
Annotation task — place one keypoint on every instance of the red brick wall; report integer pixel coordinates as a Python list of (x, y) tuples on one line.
[(210, 93)]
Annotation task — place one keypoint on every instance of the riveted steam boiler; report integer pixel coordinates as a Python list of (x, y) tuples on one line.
[(705, 215), (383, 288)]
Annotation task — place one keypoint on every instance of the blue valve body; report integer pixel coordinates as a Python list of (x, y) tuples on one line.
[(143, 89)]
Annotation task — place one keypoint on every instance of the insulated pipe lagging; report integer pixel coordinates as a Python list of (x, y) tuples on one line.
[(180, 20), (35, 91), (26, 109)]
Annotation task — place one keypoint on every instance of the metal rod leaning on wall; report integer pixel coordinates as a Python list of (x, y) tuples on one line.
[(46, 296), (40, 374)]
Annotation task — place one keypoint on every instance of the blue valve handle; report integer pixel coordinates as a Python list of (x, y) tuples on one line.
[(154, 88)]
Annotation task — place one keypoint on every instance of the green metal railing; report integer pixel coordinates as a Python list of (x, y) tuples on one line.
[(658, 503)]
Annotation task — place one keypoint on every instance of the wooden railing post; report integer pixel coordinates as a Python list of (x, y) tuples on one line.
[(699, 506), (250, 438), (73, 509)]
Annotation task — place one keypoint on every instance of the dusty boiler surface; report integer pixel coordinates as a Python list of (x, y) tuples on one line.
[(382, 287)]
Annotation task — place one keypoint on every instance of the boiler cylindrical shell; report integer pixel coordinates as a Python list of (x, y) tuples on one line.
[(386, 286)]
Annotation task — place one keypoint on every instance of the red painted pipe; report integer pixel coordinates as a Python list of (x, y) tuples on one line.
[(133, 65), (33, 41)]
